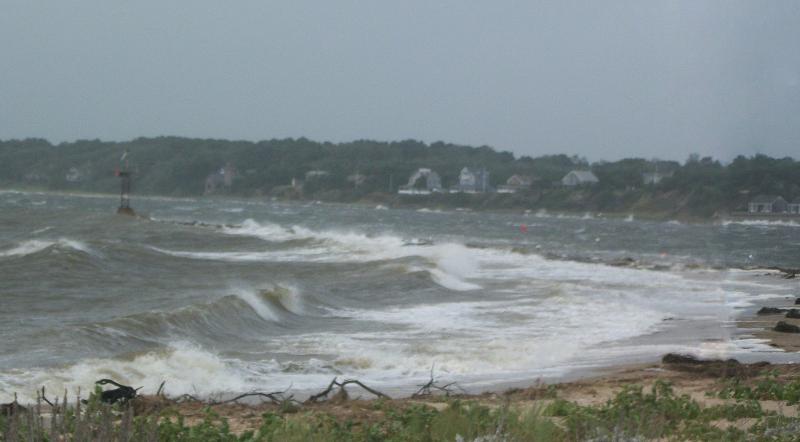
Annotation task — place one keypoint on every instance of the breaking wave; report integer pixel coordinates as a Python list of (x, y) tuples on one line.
[(186, 368), (761, 223), (33, 246)]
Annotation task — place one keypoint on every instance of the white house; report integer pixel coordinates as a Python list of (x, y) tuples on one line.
[(655, 177), (74, 175), (314, 174), (794, 206), (768, 204), (472, 181), (579, 178)]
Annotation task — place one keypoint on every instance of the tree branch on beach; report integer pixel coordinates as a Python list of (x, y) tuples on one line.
[(276, 397), (428, 388), (342, 391)]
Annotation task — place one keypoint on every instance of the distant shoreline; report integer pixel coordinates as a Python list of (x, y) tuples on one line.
[(409, 203)]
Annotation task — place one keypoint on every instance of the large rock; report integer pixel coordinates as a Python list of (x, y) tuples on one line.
[(793, 313), (785, 327), (797, 301), (676, 358), (769, 311), (712, 367)]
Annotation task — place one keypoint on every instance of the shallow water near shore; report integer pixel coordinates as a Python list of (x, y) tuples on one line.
[(229, 296)]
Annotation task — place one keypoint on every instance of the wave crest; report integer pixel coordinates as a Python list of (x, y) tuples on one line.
[(34, 246)]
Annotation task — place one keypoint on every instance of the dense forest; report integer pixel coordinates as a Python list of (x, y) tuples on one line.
[(366, 170)]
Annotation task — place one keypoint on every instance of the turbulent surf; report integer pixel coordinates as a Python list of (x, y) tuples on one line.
[(227, 296)]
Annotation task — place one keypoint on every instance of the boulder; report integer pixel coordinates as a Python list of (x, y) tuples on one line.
[(797, 301), (712, 367), (784, 327), (769, 311), (793, 313), (676, 358)]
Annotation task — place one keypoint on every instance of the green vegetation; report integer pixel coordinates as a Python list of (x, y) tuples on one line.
[(176, 166), (768, 388), (632, 414)]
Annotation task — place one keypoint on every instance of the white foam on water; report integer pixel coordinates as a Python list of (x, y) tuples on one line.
[(266, 231), (462, 340), (34, 246), (307, 254), (262, 300), (27, 248), (761, 223), (258, 304), (186, 368), (452, 282), (348, 246)]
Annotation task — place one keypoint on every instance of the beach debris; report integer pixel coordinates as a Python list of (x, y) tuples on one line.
[(785, 327), (342, 393), (276, 397), (432, 385), (122, 393), (770, 311), (160, 388), (793, 313)]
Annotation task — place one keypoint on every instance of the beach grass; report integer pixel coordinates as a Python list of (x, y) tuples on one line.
[(736, 412)]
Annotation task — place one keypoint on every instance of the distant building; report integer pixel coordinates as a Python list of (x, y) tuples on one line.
[(516, 183), (579, 178), (768, 204), (472, 181), (73, 175), (794, 206), (220, 180), (422, 182), (357, 179), (33, 176), (655, 177), (314, 174)]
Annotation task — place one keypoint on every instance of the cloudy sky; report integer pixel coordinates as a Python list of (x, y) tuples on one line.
[(604, 79)]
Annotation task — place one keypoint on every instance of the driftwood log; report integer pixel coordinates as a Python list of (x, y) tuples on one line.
[(335, 384)]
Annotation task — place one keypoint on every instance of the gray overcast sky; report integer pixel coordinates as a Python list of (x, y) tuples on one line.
[(604, 79)]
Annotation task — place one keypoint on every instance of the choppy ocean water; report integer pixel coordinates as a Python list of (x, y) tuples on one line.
[(229, 296)]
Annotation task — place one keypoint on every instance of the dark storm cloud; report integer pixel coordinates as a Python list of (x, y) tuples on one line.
[(601, 79)]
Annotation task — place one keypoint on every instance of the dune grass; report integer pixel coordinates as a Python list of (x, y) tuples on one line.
[(633, 414)]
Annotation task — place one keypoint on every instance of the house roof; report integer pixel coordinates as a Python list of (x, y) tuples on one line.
[(584, 175), (765, 199)]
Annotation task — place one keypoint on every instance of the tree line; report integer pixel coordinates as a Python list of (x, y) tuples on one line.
[(179, 166)]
